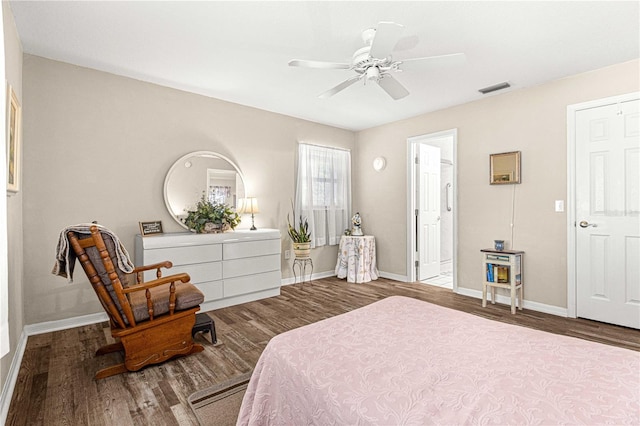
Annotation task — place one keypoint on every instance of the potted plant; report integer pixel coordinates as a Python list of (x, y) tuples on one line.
[(300, 236), (208, 217)]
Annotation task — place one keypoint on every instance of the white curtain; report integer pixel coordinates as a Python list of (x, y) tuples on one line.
[(323, 192)]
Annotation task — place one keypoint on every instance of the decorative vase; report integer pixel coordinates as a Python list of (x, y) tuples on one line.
[(302, 250), (214, 228), (499, 244)]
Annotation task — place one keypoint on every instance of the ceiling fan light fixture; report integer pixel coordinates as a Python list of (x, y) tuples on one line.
[(373, 74)]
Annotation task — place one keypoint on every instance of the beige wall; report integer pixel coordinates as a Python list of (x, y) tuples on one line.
[(98, 147), (530, 120), (13, 73)]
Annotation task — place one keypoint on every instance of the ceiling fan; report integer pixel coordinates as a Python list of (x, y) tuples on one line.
[(375, 63)]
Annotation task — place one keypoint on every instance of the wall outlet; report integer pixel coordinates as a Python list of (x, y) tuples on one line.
[(287, 254)]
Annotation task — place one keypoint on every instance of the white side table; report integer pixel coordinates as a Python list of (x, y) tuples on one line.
[(502, 269), (357, 259)]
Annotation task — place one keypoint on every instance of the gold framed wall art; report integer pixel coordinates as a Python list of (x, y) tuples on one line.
[(504, 168), (13, 141)]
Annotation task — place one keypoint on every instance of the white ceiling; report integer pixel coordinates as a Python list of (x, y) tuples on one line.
[(238, 51)]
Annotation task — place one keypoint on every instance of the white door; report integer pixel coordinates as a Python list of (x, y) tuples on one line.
[(608, 213), (428, 196)]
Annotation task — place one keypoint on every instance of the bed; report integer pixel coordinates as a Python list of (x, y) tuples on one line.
[(405, 361)]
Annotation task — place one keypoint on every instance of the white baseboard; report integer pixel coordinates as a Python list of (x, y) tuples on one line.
[(49, 326), (396, 277), (12, 378), (527, 304), (320, 275)]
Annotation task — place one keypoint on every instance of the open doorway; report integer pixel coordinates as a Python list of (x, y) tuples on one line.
[(431, 212)]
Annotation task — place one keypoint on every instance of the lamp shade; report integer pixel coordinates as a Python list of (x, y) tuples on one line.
[(248, 206)]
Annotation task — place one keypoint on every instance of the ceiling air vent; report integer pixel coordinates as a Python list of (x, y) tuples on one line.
[(494, 88)]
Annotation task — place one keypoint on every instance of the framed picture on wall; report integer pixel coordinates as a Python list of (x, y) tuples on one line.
[(504, 168), (13, 142)]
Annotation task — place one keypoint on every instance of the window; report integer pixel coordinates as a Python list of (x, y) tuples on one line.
[(323, 192)]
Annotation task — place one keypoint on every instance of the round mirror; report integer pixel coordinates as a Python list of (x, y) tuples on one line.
[(201, 173)]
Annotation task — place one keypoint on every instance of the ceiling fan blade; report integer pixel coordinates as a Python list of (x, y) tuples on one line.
[(318, 64), (348, 82), (387, 36), (392, 87), (407, 43), (431, 61)]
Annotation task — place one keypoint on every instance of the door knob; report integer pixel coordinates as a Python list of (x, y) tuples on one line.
[(585, 224)]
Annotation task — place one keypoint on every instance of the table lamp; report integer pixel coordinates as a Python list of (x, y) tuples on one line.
[(249, 205)]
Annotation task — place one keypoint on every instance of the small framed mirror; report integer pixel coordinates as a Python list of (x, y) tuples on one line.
[(504, 168)]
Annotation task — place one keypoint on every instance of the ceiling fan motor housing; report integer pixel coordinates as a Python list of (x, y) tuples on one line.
[(363, 63), (361, 58)]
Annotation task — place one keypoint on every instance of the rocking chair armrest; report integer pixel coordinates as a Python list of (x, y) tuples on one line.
[(157, 266), (183, 277), (166, 264)]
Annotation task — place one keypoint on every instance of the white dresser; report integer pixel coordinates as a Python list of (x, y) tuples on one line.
[(229, 268)]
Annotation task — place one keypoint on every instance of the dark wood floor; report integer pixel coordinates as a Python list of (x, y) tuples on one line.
[(55, 384)]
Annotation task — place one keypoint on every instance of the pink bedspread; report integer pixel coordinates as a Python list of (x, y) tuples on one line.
[(404, 361)]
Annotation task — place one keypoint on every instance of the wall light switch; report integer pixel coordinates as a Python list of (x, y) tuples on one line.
[(559, 205), (287, 254)]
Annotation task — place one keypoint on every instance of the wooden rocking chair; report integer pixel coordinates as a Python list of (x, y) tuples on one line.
[(150, 321)]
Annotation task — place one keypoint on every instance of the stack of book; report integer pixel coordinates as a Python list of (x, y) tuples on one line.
[(497, 273)]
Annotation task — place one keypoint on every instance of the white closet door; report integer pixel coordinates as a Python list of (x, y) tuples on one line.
[(608, 213)]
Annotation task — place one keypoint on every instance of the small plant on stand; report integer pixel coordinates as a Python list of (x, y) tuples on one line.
[(300, 236)]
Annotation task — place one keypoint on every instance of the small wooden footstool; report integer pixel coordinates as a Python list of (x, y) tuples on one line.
[(205, 323)]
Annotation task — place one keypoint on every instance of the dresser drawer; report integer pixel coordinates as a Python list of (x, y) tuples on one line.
[(239, 250), (252, 265), (212, 290), (200, 273), (229, 268), (184, 255), (251, 283)]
